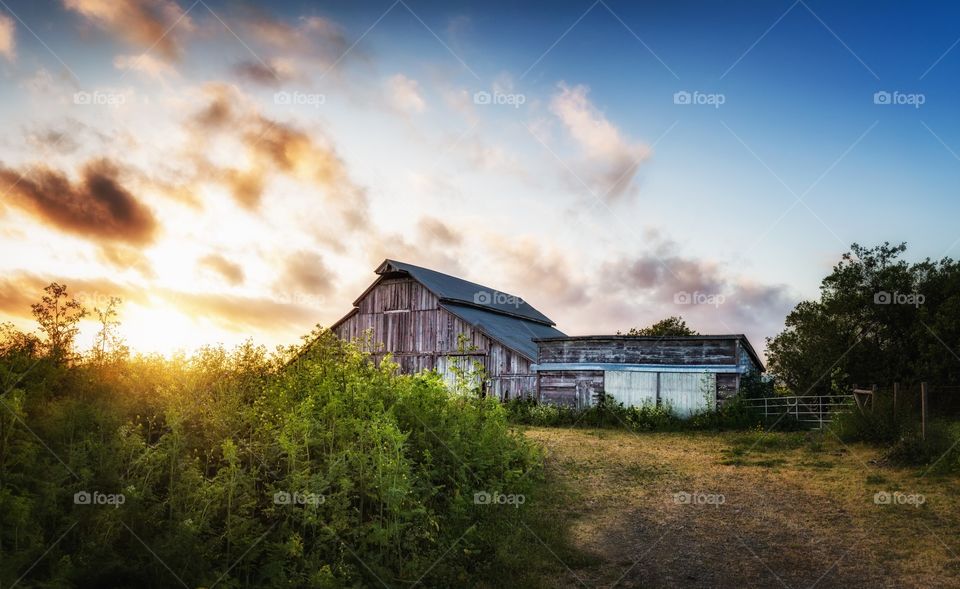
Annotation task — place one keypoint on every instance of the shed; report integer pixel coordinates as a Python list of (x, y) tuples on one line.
[(686, 373)]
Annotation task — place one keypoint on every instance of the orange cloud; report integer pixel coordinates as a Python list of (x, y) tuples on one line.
[(230, 271), (97, 207), (8, 42), (150, 24)]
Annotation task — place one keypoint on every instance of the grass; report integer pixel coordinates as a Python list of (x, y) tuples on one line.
[(794, 503)]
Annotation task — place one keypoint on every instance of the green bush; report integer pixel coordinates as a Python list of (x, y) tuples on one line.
[(241, 471)]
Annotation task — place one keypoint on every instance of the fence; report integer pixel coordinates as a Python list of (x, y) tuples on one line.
[(810, 410)]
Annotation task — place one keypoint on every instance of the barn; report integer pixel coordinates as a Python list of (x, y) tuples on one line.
[(433, 321), (687, 373)]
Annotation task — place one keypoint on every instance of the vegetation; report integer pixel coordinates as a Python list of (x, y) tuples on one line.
[(239, 469), (879, 319), (673, 325)]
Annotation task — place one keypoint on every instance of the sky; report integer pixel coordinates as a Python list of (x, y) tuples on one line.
[(237, 171)]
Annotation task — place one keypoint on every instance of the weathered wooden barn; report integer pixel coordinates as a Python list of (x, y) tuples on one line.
[(687, 373), (421, 316)]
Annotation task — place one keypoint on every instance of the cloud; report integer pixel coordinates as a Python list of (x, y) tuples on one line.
[(610, 161), (404, 94), (230, 271), (97, 206), (8, 41), (309, 36), (305, 272), (438, 232), (145, 64), (271, 73), (242, 314), (276, 147), (20, 289), (153, 25)]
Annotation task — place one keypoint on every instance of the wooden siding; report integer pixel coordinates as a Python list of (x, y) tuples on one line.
[(640, 351), (688, 392), (406, 319), (571, 388)]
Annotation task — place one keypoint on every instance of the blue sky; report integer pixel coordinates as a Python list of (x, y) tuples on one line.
[(598, 198)]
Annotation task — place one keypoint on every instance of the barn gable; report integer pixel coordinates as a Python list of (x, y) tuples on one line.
[(418, 316)]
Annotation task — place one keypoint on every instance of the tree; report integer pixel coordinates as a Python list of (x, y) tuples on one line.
[(108, 340), (879, 319), (59, 314), (673, 325)]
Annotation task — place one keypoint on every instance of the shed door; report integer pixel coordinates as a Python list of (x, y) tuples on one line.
[(633, 389), (688, 392)]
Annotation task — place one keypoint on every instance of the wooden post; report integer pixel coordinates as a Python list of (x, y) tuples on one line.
[(923, 411), (873, 397)]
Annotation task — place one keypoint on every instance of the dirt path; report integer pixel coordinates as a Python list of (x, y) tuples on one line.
[(727, 510)]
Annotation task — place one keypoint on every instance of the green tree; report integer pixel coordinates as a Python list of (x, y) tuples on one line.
[(59, 315), (673, 325)]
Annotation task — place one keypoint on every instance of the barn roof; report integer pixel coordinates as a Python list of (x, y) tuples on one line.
[(463, 292), (513, 332)]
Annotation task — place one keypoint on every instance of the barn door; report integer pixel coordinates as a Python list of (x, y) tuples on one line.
[(688, 392), (633, 389)]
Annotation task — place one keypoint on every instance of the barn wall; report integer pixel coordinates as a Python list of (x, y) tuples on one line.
[(406, 319), (635, 351), (573, 388)]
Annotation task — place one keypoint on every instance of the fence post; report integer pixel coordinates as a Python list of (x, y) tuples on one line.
[(873, 397), (923, 411), (766, 414), (820, 409)]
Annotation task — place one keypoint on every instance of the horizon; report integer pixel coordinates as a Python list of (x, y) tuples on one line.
[(236, 172)]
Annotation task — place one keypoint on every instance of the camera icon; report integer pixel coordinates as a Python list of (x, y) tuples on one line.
[(882, 298), (682, 97), (682, 298), (881, 97), (482, 498), (82, 98), (82, 498), (482, 97), (482, 297), (282, 98), (282, 498), (882, 498), (682, 498)]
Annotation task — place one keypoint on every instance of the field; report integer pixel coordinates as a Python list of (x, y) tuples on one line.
[(761, 509)]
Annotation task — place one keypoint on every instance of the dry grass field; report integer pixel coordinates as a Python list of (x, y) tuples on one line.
[(746, 510)]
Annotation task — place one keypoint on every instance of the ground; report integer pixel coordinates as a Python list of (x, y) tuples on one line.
[(744, 510)]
